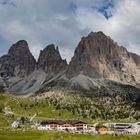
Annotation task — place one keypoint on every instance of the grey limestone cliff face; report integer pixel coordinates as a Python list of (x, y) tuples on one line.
[(98, 56), (19, 61), (136, 58), (50, 60)]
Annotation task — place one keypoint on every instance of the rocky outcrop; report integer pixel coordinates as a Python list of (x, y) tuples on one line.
[(19, 61), (50, 60), (136, 58), (99, 57)]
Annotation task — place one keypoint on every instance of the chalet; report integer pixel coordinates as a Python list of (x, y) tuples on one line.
[(61, 125), (101, 128)]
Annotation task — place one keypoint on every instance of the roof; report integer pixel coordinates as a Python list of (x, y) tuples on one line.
[(61, 122), (99, 126)]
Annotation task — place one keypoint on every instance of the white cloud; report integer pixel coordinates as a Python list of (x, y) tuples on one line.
[(64, 22), (123, 26), (90, 20)]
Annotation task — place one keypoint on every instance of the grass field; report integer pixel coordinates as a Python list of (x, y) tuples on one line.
[(43, 135), (27, 107)]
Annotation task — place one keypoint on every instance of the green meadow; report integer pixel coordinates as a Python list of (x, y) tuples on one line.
[(45, 135), (27, 107)]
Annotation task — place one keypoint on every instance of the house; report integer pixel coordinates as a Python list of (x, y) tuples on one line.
[(49, 125), (120, 125), (90, 127), (101, 128), (78, 124), (61, 125)]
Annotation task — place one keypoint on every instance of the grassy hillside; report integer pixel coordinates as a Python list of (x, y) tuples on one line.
[(27, 107), (62, 105), (43, 135), (94, 108)]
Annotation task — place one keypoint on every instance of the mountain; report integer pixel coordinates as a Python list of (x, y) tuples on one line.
[(50, 60), (19, 62), (101, 81), (49, 65), (98, 56), (99, 67)]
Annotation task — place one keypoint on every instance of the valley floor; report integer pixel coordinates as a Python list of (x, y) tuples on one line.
[(45, 135)]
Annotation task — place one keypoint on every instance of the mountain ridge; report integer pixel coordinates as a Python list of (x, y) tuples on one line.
[(97, 59)]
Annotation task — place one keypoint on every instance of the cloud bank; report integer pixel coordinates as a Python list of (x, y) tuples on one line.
[(64, 22)]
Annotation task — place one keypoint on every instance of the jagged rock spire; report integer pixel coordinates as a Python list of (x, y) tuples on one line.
[(18, 62), (50, 60)]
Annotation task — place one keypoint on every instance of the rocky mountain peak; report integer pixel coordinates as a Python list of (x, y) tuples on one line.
[(98, 56), (51, 52), (99, 34), (100, 45), (18, 62), (18, 48), (50, 60)]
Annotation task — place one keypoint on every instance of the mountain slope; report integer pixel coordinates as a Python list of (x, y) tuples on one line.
[(99, 57)]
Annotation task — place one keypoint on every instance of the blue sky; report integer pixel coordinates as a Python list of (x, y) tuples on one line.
[(64, 22), (106, 9)]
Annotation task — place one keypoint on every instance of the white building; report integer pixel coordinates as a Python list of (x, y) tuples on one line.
[(69, 125)]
